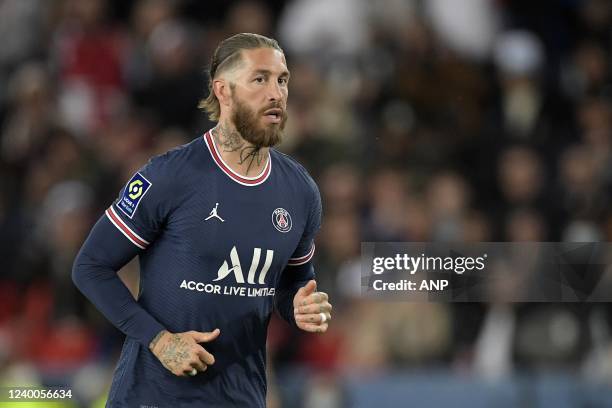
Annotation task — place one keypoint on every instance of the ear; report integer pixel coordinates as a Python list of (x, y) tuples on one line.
[(222, 91)]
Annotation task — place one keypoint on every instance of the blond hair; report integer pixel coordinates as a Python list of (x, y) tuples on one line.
[(227, 56)]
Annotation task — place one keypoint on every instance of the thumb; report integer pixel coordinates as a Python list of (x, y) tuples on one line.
[(204, 337), (310, 287)]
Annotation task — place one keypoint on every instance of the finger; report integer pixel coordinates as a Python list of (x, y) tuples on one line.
[(313, 308), (206, 357), (309, 288), (184, 371), (190, 371), (313, 318), (313, 328), (204, 337), (198, 364), (317, 297), (303, 292)]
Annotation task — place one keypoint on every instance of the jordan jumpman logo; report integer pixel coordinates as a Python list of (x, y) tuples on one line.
[(213, 214)]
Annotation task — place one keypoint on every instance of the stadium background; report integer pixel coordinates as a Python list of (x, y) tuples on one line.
[(446, 120)]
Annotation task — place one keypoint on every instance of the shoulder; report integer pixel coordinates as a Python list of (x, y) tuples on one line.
[(306, 188), (294, 170), (175, 162)]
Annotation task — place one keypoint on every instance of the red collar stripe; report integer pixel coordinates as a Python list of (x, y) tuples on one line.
[(303, 259), (246, 181), (125, 229)]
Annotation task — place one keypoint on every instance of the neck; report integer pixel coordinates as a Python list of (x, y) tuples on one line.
[(244, 158)]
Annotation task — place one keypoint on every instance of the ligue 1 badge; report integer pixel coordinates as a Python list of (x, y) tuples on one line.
[(133, 192), (281, 220)]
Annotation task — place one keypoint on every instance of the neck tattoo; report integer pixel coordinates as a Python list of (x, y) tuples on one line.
[(229, 140)]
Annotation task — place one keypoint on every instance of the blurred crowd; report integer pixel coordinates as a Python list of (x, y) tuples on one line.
[(421, 120)]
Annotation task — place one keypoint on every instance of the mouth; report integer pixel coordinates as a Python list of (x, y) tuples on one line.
[(274, 115)]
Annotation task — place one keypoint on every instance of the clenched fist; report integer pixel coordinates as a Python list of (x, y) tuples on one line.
[(311, 309)]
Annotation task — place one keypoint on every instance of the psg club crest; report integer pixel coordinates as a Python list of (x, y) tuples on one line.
[(281, 220)]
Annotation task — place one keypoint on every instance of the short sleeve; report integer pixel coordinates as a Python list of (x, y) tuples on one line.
[(141, 209), (306, 247)]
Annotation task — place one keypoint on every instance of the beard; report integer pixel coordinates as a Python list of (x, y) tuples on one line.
[(246, 121)]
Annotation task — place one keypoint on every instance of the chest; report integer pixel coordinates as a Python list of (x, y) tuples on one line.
[(249, 233)]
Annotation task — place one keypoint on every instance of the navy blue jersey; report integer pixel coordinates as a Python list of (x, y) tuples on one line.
[(217, 250)]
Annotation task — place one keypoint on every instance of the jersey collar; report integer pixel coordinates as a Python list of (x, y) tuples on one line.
[(245, 181)]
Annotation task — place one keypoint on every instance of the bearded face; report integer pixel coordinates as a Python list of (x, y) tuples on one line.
[(262, 128)]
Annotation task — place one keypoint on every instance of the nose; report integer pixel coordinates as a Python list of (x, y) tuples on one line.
[(275, 92)]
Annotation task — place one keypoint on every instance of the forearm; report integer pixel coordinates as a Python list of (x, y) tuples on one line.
[(284, 304), (293, 278), (95, 274)]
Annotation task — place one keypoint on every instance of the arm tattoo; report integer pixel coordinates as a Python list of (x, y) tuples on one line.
[(174, 353)]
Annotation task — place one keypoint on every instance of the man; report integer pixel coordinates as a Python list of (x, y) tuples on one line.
[(224, 230)]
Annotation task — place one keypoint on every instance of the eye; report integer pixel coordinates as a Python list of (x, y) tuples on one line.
[(259, 80), (283, 81)]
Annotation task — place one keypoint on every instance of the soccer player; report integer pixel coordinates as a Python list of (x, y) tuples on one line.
[(224, 229)]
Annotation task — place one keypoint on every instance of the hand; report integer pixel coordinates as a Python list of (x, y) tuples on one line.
[(180, 353), (310, 307)]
